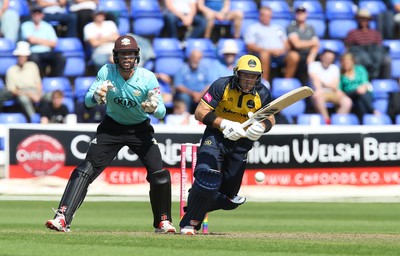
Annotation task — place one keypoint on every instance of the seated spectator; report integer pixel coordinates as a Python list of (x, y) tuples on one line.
[(180, 114), (184, 11), (54, 111), (229, 51), (56, 10), (43, 39), (303, 40), (355, 83), (220, 10), (9, 21), (192, 80), (100, 36), (366, 46), (24, 81), (325, 80), (166, 90), (269, 42), (84, 10)]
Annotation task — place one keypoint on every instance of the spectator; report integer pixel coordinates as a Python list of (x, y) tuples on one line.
[(270, 43), (355, 83), (304, 41), (184, 11), (229, 52), (180, 114), (192, 80), (393, 26), (56, 10), (24, 81), (84, 10), (100, 36), (54, 111), (43, 39), (325, 79), (366, 46), (220, 10), (9, 21)]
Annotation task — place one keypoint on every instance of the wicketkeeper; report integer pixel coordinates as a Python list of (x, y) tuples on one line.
[(131, 93), (225, 143)]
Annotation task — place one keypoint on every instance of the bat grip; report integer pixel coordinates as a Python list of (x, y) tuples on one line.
[(247, 123)]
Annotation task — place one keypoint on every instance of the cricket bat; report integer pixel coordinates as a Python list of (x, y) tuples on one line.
[(278, 104)]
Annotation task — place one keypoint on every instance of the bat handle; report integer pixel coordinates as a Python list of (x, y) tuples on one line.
[(247, 123)]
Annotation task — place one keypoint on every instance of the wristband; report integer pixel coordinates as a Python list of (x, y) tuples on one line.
[(268, 125), (209, 118)]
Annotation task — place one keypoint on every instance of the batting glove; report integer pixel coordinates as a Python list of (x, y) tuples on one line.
[(150, 105), (101, 92), (232, 130), (255, 131)]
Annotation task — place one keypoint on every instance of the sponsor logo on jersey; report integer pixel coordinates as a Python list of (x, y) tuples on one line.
[(207, 97), (125, 102)]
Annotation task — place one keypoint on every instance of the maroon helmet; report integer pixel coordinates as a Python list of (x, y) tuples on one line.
[(126, 44)]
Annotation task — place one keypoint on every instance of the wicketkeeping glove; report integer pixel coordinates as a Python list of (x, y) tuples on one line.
[(255, 131), (150, 105), (101, 92), (232, 130)]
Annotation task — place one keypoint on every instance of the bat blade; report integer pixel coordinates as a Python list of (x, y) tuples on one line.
[(279, 103)]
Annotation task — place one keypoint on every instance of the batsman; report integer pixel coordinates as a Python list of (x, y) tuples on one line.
[(131, 94), (225, 143)]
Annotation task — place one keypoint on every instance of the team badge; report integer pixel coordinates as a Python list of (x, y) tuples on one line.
[(136, 93), (250, 104), (125, 41), (252, 63)]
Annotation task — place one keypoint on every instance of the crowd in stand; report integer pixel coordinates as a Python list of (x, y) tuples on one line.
[(341, 80)]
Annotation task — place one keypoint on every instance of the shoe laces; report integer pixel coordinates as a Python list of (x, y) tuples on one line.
[(58, 213)]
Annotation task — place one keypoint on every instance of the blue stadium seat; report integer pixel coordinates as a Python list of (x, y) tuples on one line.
[(335, 45), (375, 7), (205, 45), (371, 119), (339, 28), (397, 119), (310, 119), (167, 47), (81, 85), (382, 88), (50, 84), (7, 58), (7, 103), (118, 6), (12, 118), (340, 9), (147, 17), (381, 104), (280, 9), (314, 8), (394, 47), (281, 86), (21, 6), (169, 55), (344, 119), (72, 49), (319, 26), (250, 12)]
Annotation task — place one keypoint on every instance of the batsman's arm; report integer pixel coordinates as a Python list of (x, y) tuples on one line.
[(205, 114)]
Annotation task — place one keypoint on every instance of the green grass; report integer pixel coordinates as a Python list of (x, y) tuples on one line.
[(125, 228)]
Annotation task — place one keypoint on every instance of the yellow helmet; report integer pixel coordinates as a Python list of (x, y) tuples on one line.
[(248, 64)]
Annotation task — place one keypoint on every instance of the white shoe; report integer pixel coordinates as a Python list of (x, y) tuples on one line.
[(58, 223), (165, 227), (188, 231)]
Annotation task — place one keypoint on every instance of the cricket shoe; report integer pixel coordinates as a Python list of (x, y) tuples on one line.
[(188, 231), (58, 223), (165, 227), (238, 200)]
